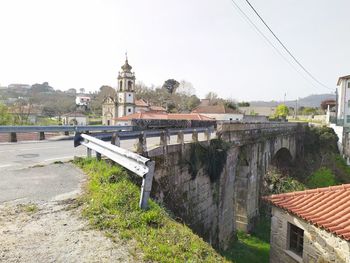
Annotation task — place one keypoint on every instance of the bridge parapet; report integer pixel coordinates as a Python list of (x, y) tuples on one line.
[(240, 133)]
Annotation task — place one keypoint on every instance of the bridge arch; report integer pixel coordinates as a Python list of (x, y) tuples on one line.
[(282, 159)]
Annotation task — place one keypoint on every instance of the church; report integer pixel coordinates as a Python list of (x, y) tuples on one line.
[(124, 103)]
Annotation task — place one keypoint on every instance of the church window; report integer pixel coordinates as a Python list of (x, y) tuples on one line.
[(129, 95), (129, 85), (120, 85), (129, 110)]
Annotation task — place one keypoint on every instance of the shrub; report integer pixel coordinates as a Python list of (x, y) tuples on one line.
[(323, 177)]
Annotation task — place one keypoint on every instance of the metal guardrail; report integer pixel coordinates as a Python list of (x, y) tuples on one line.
[(61, 128), (135, 163)]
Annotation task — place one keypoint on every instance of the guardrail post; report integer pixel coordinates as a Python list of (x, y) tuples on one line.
[(88, 153), (194, 136), (115, 139), (12, 137), (147, 185), (41, 136), (98, 156), (180, 137), (207, 134), (141, 146), (66, 133)]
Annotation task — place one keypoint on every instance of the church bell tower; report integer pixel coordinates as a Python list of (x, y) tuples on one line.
[(126, 90)]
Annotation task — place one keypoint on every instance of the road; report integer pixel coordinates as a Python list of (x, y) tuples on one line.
[(14, 156)]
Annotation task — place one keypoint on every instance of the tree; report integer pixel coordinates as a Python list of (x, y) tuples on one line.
[(171, 85), (282, 111), (243, 104), (82, 90), (186, 88), (5, 117)]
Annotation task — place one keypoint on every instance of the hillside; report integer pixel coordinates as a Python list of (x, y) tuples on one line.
[(313, 100)]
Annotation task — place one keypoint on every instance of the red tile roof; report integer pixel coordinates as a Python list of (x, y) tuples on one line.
[(164, 116), (327, 208), (141, 103), (157, 108)]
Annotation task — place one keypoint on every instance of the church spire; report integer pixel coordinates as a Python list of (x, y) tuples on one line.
[(126, 67)]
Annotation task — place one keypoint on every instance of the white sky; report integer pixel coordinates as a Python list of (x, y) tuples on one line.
[(81, 44)]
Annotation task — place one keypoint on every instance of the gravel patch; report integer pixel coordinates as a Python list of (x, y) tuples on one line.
[(54, 232)]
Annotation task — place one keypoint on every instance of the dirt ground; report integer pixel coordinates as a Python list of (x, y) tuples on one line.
[(54, 232)]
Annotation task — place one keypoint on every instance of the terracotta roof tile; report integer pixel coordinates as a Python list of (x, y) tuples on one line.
[(327, 208), (164, 116)]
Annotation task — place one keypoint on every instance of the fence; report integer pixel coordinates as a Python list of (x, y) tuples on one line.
[(135, 163), (13, 130)]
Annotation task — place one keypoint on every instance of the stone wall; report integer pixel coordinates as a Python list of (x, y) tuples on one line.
[(319, 246), (206, 206), (216, 208)]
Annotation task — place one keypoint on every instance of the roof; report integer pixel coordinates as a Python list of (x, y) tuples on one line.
[(216, 109), (341, 78), (157, 108), (164, 116), (141, 103), (327, 208)]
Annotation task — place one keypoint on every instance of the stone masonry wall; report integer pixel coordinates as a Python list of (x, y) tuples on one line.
[(320, 246), (205, 206)]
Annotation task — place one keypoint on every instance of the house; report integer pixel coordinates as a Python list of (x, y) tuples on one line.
[(343, 101), (159, 117), (218, 112), (74, 118), (258, 110), (124, 103), (82, 101), (311, 226), (142, 106)]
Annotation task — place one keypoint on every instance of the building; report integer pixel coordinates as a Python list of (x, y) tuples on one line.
[(124, 103), (75, 118), (161, 117), (218, 112), (311, 226), (258, 110), (343, 101), (82, 101)]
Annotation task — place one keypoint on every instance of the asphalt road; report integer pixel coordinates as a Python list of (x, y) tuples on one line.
[(28, 172)]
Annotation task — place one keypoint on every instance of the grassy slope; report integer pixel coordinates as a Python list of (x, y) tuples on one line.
[(252, 248), (112, 205)]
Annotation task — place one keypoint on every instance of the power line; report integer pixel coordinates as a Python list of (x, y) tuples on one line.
[(284, 47), (251, 23)]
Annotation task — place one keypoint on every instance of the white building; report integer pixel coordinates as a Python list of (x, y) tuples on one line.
[(219, 112), (343, 101), (75, 118), (82, 100)]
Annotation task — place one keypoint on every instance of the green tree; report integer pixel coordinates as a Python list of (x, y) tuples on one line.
[(282, 111), (5, 117)]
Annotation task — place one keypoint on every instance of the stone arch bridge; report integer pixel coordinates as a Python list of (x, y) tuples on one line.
[(215, 186)]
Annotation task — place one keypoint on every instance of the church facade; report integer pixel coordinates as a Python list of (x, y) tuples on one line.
[(123, 103)]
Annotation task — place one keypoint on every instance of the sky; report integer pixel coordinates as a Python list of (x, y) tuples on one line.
[(82, 44)]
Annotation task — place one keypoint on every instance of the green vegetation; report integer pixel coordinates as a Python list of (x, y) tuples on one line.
[(282, 111), (216, 152), (5, 117), (254, 247), (323, 177), (112, 199)]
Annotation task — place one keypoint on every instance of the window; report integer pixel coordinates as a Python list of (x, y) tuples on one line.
[(348, 118), (349, 84), (130, 96), (129, 110), (296, 239), (129, 85), (348, 103), (120, 85)]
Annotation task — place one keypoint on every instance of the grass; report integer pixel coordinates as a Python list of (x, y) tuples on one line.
[(112, 199), (30, 208), (251, 248)]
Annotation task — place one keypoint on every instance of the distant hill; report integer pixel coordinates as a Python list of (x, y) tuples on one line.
[(313, 100)]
